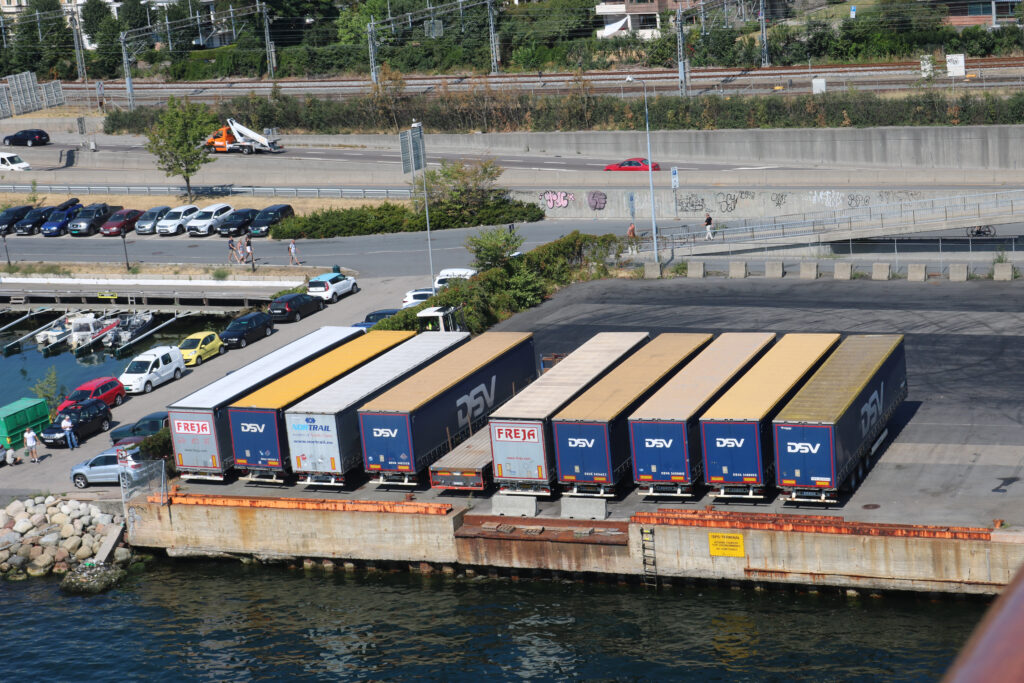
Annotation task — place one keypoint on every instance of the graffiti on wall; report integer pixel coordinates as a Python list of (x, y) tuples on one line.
[(556, 199), (778, 199), (597, 200), (691, 203)]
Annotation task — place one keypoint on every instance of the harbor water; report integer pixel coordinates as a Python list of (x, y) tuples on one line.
[(223, 621)]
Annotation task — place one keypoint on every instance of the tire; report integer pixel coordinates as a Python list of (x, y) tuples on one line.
[(321, 305), (222, 350), (268, 330), (177, 373), (148, 388), (29, 143), (355, 288), (118, 400), (105, 425), (81, 482), (242, 343), (247, 150), (334, 297), (297, 317), (7, 142), (199, 361)]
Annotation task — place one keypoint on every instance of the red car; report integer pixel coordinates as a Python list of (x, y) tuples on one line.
[(636, 164), (122, 221), (107, 389)]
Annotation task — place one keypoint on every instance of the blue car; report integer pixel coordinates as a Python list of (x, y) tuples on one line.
[(57, 224), (375, 317)]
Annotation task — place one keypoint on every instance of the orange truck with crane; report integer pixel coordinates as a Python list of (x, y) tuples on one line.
[(235, 137)]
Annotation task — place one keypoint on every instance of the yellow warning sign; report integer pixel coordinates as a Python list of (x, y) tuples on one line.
[(726, 545)]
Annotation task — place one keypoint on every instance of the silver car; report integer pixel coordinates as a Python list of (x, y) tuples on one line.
[(146, 225), (105, 468)]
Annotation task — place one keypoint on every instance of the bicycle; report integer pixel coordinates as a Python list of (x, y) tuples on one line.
[(981, 231)]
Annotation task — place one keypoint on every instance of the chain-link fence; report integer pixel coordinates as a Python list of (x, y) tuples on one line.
[(144, 482)]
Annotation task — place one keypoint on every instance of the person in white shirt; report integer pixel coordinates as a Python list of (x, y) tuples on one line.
[(70, 438), (30, 444)]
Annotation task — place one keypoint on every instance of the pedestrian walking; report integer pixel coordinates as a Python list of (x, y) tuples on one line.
[(631, 231), (70, 438), (233, 256), (30, 444), (709, 226), (248, 250), (293, 254)]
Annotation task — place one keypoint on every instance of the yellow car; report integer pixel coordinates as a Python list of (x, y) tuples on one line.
[(198, 347)]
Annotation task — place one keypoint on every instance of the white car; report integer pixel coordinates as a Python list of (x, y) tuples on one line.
[(176, 220), (12, 162), (451, 274), (151, 369), (331, 286), (415, 297), (207, 221)]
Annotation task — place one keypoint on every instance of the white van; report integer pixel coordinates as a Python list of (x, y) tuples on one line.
[(12, 162), (207, 220), (447, 274), (151, 369)]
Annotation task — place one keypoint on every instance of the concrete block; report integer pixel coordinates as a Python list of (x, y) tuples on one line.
[(576, 507), (917, 272), (513, 506), (958, 272), (1002, 272), (773, 269), (737, 269), (809, 270), (879, 271), (843, 270), (652, 270), (695, 269)]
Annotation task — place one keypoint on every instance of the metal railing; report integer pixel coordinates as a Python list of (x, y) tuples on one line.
[(218, 191)]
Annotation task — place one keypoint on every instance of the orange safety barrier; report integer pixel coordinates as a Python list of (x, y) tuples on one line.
[(818, 524), (396, 507)]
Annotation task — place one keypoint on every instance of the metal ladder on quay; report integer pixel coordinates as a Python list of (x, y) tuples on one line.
[(650, 562)]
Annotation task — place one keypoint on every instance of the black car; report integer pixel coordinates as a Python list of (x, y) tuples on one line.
[(30, 137), (270, 216), (10, 217), (375, 317), (294, 306), (151, 424), (33, 220), (88, 417), (89, 219), (247, 328), (238, 223)]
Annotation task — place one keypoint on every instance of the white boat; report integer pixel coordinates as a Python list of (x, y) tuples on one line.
[(85, 329), (55, 332), (129, 326)]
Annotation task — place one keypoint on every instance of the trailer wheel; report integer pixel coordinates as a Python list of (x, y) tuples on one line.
[(247, 150)]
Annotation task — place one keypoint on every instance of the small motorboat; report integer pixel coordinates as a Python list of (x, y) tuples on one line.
[(129, 327), (55, 332), (87, 328)]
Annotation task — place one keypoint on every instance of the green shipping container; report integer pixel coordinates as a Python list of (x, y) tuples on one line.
[(16, 417)]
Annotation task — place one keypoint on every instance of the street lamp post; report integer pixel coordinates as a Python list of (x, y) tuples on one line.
[(426, 199), (124, 243), (650, 167), (6, 253)]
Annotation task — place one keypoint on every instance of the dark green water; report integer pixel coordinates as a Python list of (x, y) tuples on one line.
[(224, 621)]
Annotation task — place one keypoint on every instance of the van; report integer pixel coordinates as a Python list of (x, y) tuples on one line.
[(12, 162), (151, 369), (447, 274), (268, 217)]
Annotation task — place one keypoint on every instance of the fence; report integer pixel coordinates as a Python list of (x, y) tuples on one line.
[(22, 94), (218, 191), (146, 482)]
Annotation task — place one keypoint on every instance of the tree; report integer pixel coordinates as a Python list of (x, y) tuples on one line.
[(93, 14), (493, 247), (45, 46), (176, 139), (50, 390), (106, 58), (132, 14)]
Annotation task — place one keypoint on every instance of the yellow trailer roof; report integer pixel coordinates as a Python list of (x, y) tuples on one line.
[(840, 379), (703, 377), (621, 387), (442, 374), (767, 383), (284, 391)]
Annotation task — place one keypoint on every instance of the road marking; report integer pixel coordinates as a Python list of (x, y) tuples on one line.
[(602, 165), (561, 163), (752, 168)]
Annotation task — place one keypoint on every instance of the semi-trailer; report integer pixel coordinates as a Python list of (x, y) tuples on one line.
[(323, 429), (664, 432), (826, 435), (467, 467), (258, 439), (735, 432), (411, 425), (200, 432), (591, 434), (522, 444)]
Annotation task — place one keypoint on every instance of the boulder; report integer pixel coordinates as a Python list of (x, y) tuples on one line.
[(74, 504), (39, 500), (88, 539), (3, 519), (60, 568), (17, 562), (77, 525), (50, 500), (38, 519), (51, 511), (37, 509), (67, 531), (4, 567), (4, 554), (50, 539), (83, 553), (8, 538), (50, 550), (34, 551), (16, 575), (91, 580), (60, 518), (14, 507), (24, 550), (40, 566), (22, 515), (9, 524), (71, 544), (104, 519), (76, 514), (85, 519), (66, 508), (61, 555), (23, 526), (122, 555), (94, 511)]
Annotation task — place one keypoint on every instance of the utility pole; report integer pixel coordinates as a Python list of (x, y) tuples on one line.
[(494, 38), (76, 31), (270, 45), (3, 31), (371, 36), (684, 76), (199, 27), (765, 61), (39, 27), (127, 65), (234, 33), (167, 23)]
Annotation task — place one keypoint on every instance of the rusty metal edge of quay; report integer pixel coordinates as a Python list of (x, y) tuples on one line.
[(819, 524), (993, 654), (395, 507)]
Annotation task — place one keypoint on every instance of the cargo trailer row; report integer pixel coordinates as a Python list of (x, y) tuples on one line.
[(467, 467)]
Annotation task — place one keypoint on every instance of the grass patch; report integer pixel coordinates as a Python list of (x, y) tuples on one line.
[(220, 273), (680, 269)]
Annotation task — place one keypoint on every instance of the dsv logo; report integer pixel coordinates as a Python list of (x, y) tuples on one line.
[(580, 443), (658, 443), (871, 411), (253, 427), (381, 432), (794, 447), (477, 403), (721, 442)]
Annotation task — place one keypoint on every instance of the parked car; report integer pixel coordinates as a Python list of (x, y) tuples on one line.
[(118, 464), (176, 220), (58, 222), (331, 286), (247, 328), (294, 306), (375, 317), (151, 369), (10, 217), (27, 138), (33, 220), (207, 220), (237, 223), (447, 274), (146, 225), (88, 417), (201, 346), (121, 222), (89, 219), (12, 162), (634, 164), (146, 426), (269, 217), (417, 296), (106, 389)]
